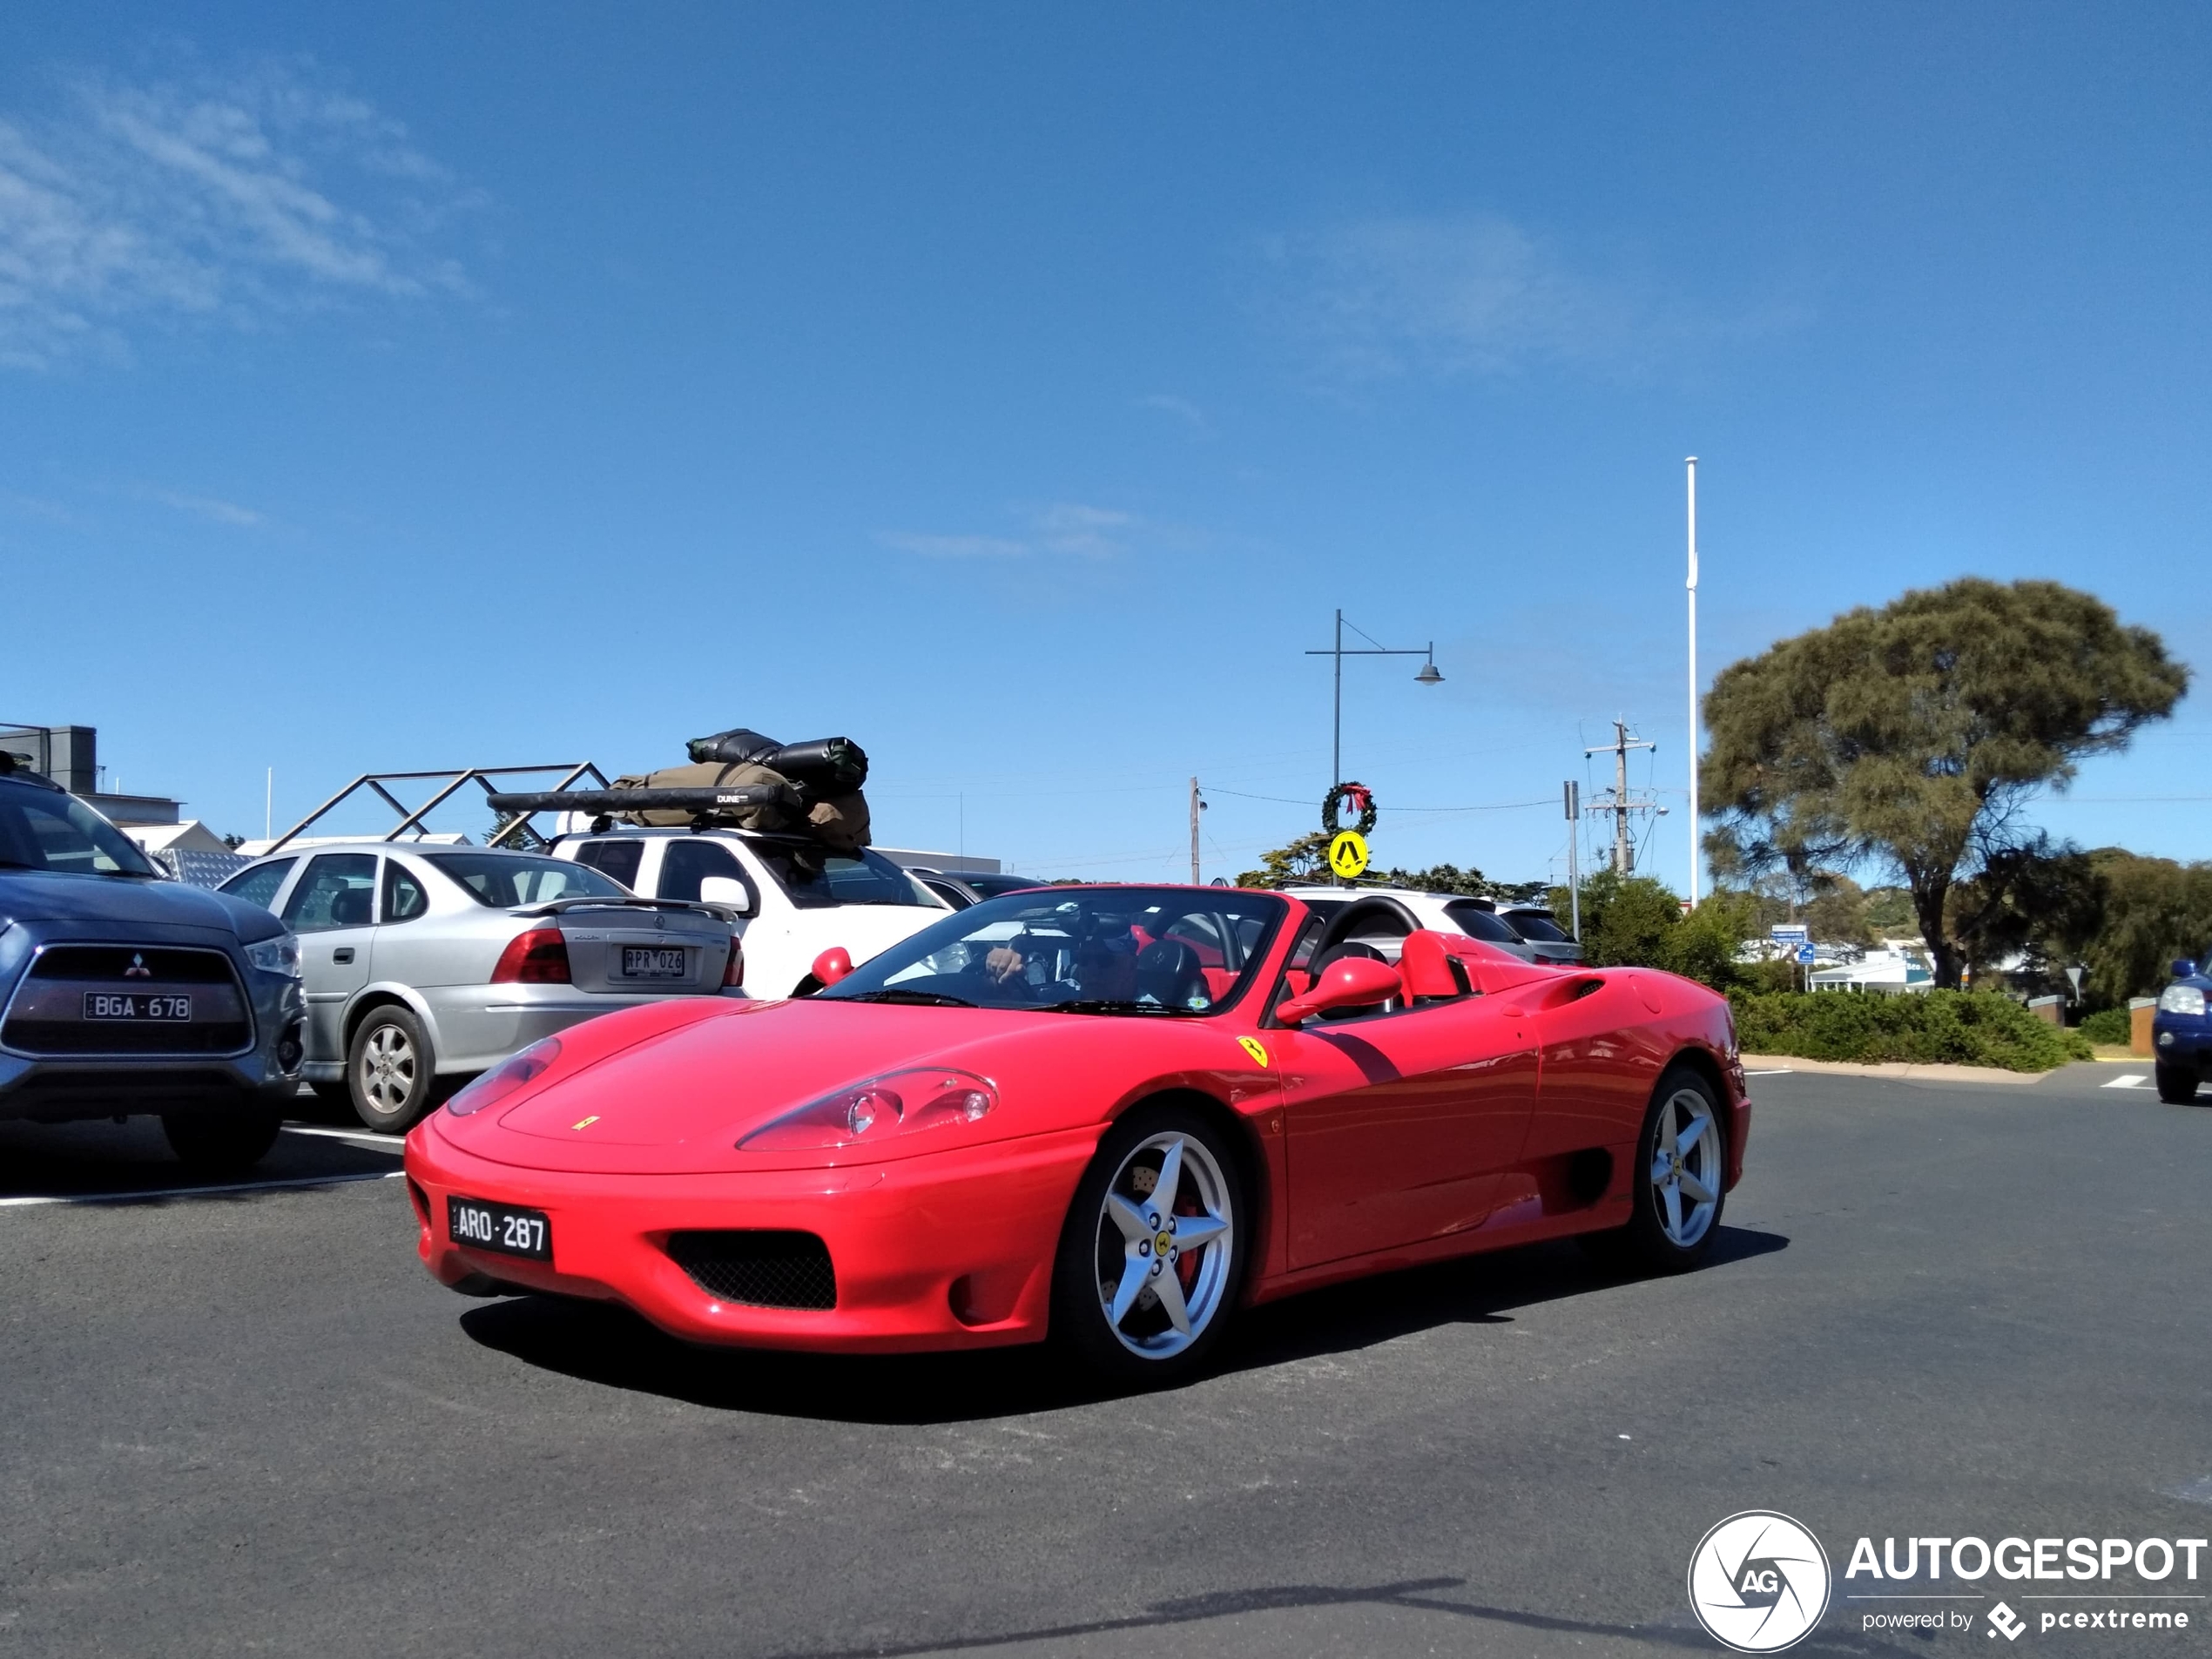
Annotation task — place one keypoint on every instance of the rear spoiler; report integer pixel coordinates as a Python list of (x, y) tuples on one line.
[(561, 906)]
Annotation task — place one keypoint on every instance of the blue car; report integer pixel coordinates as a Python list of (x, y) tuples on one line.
[(123, 992), (2180, 1039)]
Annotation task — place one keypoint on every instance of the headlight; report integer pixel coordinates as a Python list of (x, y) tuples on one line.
[(278, 956), (2181, 999), (899, 1102), (506, 1078)]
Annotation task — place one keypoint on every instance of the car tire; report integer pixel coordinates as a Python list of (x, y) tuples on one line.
[(221, 1142), (1682, 1151), (1106, 1258), (2177, 1084), (391, 1070)]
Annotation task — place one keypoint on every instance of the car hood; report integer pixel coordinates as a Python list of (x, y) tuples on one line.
[(47, 895), (679, 1102)]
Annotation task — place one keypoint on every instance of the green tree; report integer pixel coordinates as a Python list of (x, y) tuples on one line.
[(1304, 860), (1910, 736), (1634, 922), (2042, 903), (2154, 910)]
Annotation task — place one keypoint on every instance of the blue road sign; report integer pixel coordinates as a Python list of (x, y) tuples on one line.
[(1805, 953)]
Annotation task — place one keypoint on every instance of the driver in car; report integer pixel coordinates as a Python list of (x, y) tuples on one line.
[(1105, 965)]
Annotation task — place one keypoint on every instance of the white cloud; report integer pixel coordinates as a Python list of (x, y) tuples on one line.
[(1066, 527), (227, 198), (1477, 295), (1182, 408), (207, 507)]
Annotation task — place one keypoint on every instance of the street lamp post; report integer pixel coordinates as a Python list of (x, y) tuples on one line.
[(1428, 676)]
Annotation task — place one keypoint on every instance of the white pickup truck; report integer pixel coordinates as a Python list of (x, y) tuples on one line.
[(792, 897)]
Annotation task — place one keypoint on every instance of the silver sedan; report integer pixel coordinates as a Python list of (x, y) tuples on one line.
[(424, 965)]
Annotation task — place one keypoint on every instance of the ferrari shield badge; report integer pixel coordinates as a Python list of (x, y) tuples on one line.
[(1255, 1048)]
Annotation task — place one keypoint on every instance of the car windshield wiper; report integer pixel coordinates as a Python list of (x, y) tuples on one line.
[(1117, 1005), (928, 999)]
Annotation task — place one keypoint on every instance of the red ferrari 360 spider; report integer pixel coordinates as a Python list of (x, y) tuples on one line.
[(1109, 1115)]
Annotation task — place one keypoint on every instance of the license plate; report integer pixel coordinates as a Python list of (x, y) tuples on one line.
[(645, 961), (501, 1227), (136, 1005)]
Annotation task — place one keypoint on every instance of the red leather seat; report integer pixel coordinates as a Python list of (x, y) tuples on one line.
[(1426, 967)]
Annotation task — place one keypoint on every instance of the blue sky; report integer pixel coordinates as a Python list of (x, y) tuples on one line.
[(1019, 389)]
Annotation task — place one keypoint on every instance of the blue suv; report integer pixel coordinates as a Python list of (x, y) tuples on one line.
[(123, 992), (2181, 1041)]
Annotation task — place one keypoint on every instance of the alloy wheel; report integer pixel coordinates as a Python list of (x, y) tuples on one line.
[(1165, 1233), (1685, 1167), (387, 1069)]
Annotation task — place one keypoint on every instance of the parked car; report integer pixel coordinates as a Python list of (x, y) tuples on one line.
[(430, 963), (122, 991), (792, 897), (961, 888), (2181, 1034), (1053, 1115), (1529, 931)]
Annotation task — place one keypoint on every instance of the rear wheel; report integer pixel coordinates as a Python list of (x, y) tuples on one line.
[(1680, 1172), (221, 1142), (1152, 1255), (2177, 1084), (390, 1069)]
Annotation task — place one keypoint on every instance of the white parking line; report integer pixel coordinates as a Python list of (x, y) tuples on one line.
[(1778, 1071), (367, 1135), (2132, 1080), (196, 1192)]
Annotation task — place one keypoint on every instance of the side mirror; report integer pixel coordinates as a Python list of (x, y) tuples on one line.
[(1351, 982), (727, 890), (2184, 968), (832, 965)]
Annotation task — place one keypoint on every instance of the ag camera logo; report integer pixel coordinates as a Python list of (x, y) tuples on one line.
[(1758, 1581)]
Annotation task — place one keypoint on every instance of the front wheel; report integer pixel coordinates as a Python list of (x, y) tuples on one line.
[(221, 1144), (2177, 1084), (1680, 1176), (1152, 1255)]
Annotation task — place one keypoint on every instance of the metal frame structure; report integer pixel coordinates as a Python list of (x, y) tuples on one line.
[(516, 829)]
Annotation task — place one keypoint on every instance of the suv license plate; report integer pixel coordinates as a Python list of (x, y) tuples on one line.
[(136, 1005), (644, 961), (500, 1226)]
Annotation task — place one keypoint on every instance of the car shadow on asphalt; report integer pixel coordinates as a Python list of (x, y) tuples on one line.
[(104, 1162), (605, 1344)]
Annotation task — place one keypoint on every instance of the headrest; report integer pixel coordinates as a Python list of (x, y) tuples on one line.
[(1425, 966), (350, 908)]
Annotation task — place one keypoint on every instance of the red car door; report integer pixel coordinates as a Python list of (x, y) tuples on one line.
[(1399, 1124)]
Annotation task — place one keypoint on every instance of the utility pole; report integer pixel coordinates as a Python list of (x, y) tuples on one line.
[(1197, 806), (1620, 802), (1573, 803), (1693, 820)]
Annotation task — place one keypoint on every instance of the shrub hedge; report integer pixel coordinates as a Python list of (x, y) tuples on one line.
[(1923, 1027), (2108, 1025)]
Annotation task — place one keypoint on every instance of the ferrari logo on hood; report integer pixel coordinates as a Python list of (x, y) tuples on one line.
[(586, 1122), (1255, 1048)]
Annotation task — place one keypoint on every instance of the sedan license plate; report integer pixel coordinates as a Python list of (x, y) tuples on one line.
[(646, 961), (136, 1005), (501, 1227)]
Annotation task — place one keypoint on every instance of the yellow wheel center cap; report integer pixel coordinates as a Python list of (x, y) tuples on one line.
[(1163, 1243)]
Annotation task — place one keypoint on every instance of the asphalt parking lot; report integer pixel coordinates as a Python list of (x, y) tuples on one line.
[(247, 1421)]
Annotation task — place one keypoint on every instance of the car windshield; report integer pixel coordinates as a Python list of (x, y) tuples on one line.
[(816, 878), (502, 881), (44, 829), (1087, 950), (1536, 925)]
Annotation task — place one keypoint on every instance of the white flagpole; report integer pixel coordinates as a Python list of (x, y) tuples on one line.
[(1694, 850)]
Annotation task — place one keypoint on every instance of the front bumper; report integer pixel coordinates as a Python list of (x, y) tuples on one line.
[(951, 1249), (56, 1087), (2182, 1040)]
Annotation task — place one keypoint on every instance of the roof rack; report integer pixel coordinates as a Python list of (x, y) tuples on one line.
[(517, 831)]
